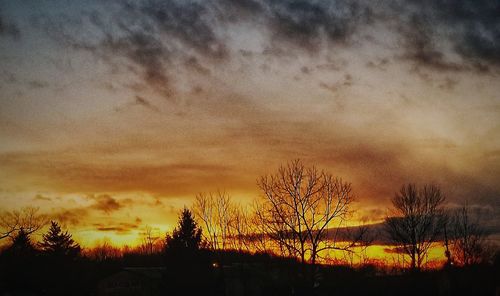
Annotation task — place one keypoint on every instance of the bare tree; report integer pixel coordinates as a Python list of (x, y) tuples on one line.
[(203, 209), (300, 204), (223, 211), (150, 240), (103, 251), (468, 238), (240, 229), (28, 219), (216, 213), (361, 238), (417, 220), (261, 241)]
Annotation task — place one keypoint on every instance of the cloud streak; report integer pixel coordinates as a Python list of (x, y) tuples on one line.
[(119, 228)]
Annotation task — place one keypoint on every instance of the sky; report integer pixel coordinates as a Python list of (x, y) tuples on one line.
[(115, 114)]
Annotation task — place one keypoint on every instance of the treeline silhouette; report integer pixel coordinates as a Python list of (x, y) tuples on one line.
[(281, 245)]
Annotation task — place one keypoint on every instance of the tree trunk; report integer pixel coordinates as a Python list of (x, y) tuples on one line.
[(413, 261)]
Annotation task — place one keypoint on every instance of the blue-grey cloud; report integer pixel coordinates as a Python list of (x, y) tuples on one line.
[(157, 40), (470, 28), (9, 28)]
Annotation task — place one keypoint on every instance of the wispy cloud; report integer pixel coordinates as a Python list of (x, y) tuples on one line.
[(105, 203), (145, 103), (119, 228), (71, 216), (42, 197)]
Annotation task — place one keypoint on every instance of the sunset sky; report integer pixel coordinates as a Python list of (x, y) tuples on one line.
[(115, 114)]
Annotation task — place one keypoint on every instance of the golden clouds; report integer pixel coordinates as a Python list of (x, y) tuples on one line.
[(159, 106), (68, 173)]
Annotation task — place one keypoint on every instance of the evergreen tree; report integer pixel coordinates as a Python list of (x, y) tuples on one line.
[(19, 263), (187, 234), (21, 244), (58, 243), (188, 265)]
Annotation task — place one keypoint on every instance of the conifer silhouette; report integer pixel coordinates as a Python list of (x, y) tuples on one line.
[(21, 244), (58, 243), (186, 235)]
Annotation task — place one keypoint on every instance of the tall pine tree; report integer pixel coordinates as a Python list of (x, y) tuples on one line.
[(188, 264), (58, 243), (187, 234), (19, 264), (21, 244)]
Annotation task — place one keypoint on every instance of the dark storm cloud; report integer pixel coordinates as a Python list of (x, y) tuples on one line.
[(307, 23), (188, 22), (8, 28), (479, 23), (431, 31), (472, 28), (161, 40), (150, 36), (420, 47), (122, 44), (146, 52), (146, 38), (147, 55), (234, 10)]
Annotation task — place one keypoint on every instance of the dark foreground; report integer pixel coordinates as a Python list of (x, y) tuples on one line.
[(231, 274)]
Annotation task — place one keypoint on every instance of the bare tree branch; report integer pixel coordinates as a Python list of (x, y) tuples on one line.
[(469, 245), (298, 207), (29, 219)]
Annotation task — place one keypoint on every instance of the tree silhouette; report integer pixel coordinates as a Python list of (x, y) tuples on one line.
[(418, 219), (187, 234), (468, 238), (188, 265), (18, 263), (300, 205), (103, 251), (224, 222), (28, 219), (58, 243), (21, 244)]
